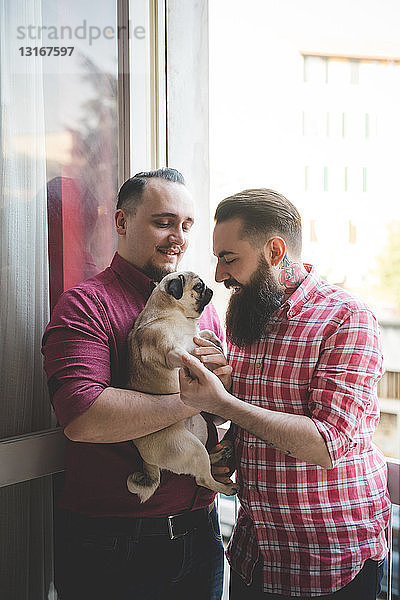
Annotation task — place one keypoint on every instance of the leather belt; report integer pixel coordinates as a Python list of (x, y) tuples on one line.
[(174, 526)]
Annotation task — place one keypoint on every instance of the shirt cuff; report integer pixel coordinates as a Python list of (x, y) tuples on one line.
[(337, 443), (70, 401)]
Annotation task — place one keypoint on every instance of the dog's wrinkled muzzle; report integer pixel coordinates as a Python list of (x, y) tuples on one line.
[(204, 299)]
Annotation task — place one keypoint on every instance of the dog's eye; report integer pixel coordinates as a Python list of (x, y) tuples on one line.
[(199, 287)]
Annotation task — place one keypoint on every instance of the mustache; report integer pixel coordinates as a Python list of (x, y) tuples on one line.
[(228, 283), (175, 248)]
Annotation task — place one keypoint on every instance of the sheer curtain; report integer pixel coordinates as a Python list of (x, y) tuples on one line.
[(25, 508)]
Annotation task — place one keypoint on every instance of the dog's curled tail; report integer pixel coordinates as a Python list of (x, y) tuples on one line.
[(144, 484)]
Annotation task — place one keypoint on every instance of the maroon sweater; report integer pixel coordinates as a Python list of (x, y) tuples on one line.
[(85, 351)]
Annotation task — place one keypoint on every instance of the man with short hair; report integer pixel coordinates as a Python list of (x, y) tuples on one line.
[(109, 545), (306, 359)]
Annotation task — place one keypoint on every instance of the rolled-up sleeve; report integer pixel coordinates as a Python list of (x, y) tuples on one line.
[(343, 387), (76, 354)]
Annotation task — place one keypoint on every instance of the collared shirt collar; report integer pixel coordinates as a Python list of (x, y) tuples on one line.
[(302, 294), (132, 276)]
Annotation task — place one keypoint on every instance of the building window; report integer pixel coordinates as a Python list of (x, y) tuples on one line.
[(315, 69), (313, 231), (389, 385), (338, 71), (325, 179), (367, 126), (327, 124), (354, 72), (352, 233)]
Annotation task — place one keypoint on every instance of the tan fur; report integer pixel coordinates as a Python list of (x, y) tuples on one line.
[(161, 333)]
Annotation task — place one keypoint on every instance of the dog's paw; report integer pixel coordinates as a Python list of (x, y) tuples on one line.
[(227, 453), (231, 489), (174, 358), (223, 451), (209, 335)]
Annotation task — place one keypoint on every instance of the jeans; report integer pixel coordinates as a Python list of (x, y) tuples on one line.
[(99, 565), (365, 586)]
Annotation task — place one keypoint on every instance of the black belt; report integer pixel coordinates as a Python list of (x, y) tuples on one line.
[(174, 526)]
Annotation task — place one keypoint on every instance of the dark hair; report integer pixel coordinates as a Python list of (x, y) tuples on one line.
[(264, 213), (130, 193)]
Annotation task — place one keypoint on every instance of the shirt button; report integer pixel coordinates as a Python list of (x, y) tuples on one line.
[(251, 446), (258, 365)]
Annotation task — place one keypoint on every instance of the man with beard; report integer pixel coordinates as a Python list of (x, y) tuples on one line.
[(306, 359), (108, 544)]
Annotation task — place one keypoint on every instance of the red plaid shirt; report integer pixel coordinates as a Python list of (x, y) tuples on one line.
[(313, 527)]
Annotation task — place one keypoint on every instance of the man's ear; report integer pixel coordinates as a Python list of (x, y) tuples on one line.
[(120, 221), (274, 251), (175, 287)]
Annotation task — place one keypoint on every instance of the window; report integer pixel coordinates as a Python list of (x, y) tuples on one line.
[(338, 71), (315, 69), (354, 71), (59, 135), (313, 231), (338, 112), (328, 124), (306, 70), (367, 126), (352, 233), (325, 171), (364, 179), (81, 129)]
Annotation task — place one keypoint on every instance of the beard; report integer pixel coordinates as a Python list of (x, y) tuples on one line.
[(157, 273), (250, 309)]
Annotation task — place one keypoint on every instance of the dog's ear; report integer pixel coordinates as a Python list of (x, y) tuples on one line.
[(175, 287)]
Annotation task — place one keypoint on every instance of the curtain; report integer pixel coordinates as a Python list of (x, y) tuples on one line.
[(25, 508)]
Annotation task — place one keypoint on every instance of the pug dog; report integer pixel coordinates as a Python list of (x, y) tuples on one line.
[(163, 331)]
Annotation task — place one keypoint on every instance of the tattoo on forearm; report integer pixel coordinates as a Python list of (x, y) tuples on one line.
[(291, 274)]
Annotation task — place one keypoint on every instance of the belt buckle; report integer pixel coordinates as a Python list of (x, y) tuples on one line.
[(172, 534)]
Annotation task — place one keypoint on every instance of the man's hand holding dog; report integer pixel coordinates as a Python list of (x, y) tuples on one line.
[(203, 385), (214, 359), (201, 388)]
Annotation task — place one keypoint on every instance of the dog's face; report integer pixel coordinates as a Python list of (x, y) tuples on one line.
[(188, 291)]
